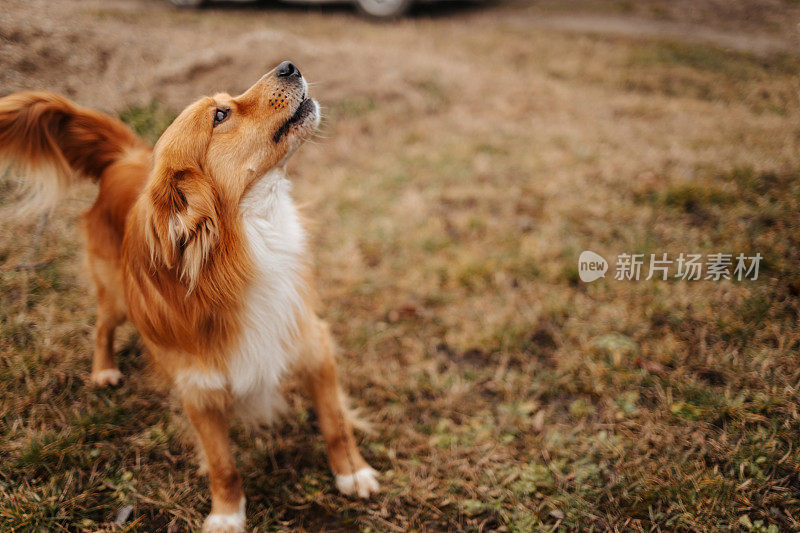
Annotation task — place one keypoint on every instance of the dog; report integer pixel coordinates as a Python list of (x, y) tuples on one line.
[(198, 243)]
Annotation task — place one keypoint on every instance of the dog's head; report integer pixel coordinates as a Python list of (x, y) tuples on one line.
[(210, 155)]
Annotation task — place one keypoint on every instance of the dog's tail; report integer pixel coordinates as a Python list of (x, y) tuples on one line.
[(53, 142)]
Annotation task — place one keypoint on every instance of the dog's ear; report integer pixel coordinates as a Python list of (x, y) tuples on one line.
[(183, 221)]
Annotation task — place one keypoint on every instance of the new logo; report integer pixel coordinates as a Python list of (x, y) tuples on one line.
[(591, 266)]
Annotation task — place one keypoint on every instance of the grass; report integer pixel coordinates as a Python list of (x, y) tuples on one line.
[(148, 121), (449, 213)]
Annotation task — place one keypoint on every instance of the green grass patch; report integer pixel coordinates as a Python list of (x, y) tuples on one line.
[(149, 121)]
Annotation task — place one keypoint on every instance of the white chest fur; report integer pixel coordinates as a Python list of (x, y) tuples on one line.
[(277, 244), (264, 350)]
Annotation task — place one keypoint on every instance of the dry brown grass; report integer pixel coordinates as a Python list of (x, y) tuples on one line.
[(465, 162)]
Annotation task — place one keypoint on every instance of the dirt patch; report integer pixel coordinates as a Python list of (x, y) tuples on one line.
[(762, 44)]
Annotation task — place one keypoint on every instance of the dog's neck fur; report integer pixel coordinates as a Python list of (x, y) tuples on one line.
[(264, 196)]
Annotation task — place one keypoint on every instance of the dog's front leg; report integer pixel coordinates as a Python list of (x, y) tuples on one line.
[(210, 421), (352, 473)]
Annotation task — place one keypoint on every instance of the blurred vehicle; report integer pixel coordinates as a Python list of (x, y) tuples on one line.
[(381, 9)]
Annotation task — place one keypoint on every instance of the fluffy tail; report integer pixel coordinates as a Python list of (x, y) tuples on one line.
[(53, 142)]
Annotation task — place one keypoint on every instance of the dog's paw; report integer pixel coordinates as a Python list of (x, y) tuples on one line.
[(110, 377), (363, 483), (225, 523)]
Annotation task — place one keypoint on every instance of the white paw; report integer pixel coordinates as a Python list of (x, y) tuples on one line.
[(110, 377), (225, 523), (364, 483)]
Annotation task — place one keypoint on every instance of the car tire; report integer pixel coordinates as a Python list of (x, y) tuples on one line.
[(188, 3), (383, 9)]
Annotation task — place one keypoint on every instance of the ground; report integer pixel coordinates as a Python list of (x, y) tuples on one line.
[(468, 155)]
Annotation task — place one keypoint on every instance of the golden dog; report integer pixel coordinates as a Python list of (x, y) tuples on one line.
[(199, 244)]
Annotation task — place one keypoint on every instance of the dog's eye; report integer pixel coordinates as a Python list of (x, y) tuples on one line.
[(221, 115)]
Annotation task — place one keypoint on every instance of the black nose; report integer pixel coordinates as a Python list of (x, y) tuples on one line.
[(287, 70)]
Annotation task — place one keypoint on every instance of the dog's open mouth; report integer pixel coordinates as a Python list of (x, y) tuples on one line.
[(303, 110)]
